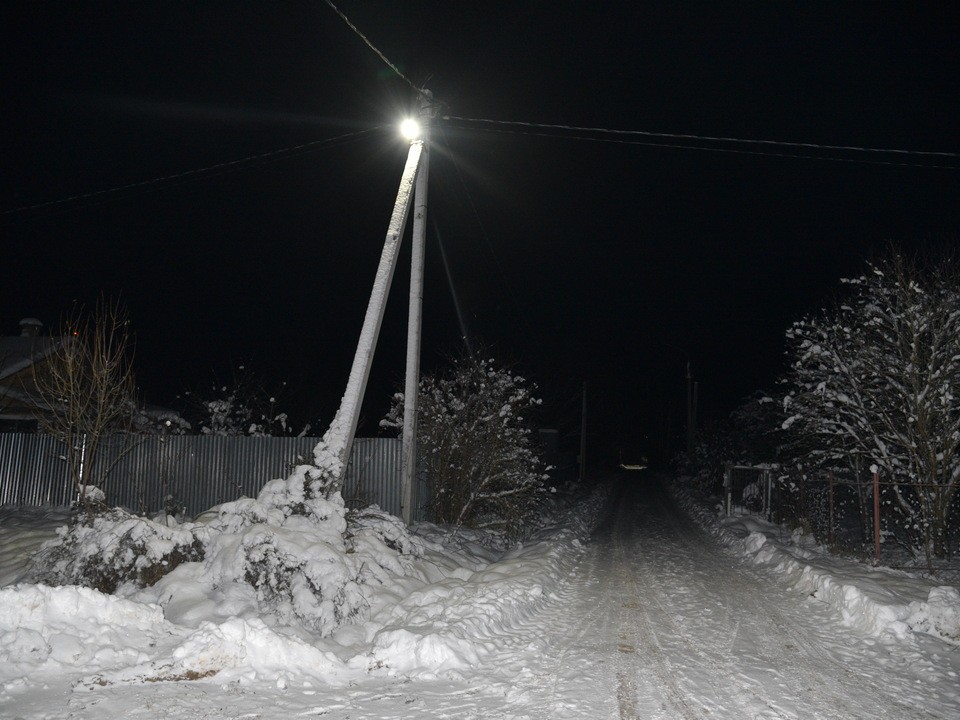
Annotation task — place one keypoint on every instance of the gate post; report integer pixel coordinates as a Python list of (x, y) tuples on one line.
[(830, 528), (876, 514), (728, 485)]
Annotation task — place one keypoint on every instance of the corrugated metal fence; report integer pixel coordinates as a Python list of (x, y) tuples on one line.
[(196, 472)]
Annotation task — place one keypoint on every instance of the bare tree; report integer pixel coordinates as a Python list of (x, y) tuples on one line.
[(874, 382), (86, 389)]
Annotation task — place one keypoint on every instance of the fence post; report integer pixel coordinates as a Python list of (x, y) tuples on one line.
[(728, 485), (768, 500), (876, 515), (830, 528)]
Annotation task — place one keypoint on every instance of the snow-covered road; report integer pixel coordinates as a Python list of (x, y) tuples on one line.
[(656, 620), (690, 631), (659, 622)]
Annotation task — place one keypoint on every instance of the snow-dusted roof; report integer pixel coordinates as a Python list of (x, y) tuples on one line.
[(19, 353)]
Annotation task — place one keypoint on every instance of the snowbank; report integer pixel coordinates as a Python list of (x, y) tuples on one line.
[(430, 604), (879, 601)]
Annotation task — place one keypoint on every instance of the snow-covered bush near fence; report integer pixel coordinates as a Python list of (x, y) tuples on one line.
[(290, 554), (474, 431), (107, 550)]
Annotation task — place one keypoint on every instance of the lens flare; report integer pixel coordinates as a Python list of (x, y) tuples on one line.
[(410, 129)]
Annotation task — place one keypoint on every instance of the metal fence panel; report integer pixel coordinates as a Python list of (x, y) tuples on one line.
[(9, 468), (33, 471), (748, 488), (854, 514), (197, 472)]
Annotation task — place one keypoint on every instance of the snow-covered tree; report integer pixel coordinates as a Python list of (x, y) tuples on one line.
[(474, 441), (873, 382)]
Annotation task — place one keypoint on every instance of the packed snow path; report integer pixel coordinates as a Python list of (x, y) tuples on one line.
[(671, 626), (656, 620)]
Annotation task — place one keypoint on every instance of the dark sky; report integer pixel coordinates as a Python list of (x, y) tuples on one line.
[(578, 260)]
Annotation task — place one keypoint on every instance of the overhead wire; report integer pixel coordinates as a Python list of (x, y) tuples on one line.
[(570, 132), (704, 148), (373, 47), (708, 138), (195, 173)]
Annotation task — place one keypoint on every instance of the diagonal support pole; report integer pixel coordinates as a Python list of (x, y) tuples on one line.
[(338, 439)]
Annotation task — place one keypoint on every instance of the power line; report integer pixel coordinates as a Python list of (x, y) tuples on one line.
[(383, 57), (703, 148), (192, 174), (680, 136)]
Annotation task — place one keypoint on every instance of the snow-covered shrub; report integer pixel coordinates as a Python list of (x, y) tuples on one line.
[(293, 544), (290, 553), (474, 440), (703, 470), (298, 575), (159, 422), (288, 544), (241, 407), (113, 548), (373, 532)]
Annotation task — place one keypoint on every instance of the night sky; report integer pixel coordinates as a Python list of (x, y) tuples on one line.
[(577, 260)]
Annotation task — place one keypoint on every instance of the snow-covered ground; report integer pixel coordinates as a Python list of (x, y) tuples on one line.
[(650, 616)]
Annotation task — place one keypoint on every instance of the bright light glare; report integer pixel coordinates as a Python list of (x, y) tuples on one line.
[(410, 129)]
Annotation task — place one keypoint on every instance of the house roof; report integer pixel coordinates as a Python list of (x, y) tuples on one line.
[(19, 353)]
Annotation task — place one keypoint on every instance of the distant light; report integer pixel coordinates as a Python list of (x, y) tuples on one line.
[(410, 129)]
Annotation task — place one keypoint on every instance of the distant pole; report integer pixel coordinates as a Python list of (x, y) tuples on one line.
[(583, 435), (414, 319), (690, 413), (696, 403), (876, 515), (340, 435)]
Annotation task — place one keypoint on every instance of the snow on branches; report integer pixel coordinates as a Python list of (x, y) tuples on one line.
[(474, 441), (873, 380)]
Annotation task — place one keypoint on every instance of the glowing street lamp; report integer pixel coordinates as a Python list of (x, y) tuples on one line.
[(410, 129)]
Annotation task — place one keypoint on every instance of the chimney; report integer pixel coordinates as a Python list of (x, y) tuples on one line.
[(30, 327)]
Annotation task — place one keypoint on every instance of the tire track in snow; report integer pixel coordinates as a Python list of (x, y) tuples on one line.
[(650, 661), (781, 652)]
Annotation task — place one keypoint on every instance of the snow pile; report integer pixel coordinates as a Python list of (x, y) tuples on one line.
[(44, 631), (470, 592), (939, 615), (289, 555), (434, 627), (237, 650), (290, 588), (879, 601)]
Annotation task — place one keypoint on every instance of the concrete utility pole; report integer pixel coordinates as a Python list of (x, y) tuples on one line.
[(414, 321), (692, 389), (583, 433), (344, 426)]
